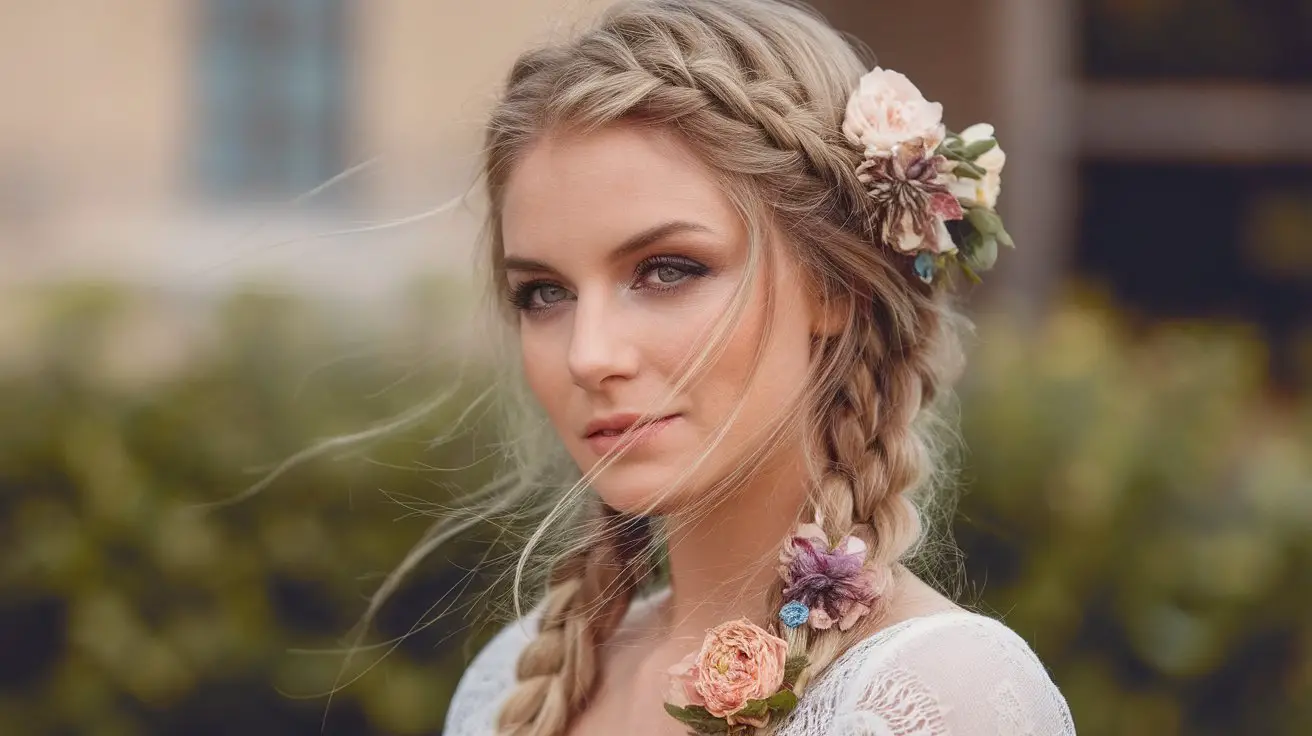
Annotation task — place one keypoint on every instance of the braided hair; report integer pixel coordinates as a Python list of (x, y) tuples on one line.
[(757, 90)]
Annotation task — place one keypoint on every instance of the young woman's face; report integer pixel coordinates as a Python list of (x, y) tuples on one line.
[(621, 252)]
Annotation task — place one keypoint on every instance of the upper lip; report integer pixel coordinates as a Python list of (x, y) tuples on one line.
[(619, 423)]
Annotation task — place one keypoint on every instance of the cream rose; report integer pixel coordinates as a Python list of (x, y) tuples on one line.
[(887, 110), (984, 191), (738, 662)]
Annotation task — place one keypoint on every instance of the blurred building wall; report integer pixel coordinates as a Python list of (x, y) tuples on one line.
[(104, 143), (112, 112)]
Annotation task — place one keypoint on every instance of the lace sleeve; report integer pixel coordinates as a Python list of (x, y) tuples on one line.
[(488, 680), (956, 674)]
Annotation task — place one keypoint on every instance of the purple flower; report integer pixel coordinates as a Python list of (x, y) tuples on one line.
[(833, 582)]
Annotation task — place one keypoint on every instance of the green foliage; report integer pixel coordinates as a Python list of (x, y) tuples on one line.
[(129, 609), (1140, 510), (1136, 507)]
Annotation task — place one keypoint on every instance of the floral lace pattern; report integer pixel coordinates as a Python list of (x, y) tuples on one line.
[(947, 674)]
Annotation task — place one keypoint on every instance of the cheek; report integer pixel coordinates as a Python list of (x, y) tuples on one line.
[(765, 377), (545, 368)]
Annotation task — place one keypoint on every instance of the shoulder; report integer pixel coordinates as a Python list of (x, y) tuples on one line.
[(948, 674), (489, 679)]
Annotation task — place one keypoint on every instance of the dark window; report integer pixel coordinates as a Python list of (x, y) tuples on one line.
[(271, 96), (1266, 40), (1192, 240)]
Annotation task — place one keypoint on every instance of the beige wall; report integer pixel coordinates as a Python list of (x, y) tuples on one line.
[(428, 72), (92, 97), (95, 117), (96, 94)]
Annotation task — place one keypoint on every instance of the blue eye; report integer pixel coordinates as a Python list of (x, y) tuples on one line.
[(669, 274), (665, 272), (550, 293), (534, 296)]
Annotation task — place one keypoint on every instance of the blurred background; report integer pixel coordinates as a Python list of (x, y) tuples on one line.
[(222, 239)]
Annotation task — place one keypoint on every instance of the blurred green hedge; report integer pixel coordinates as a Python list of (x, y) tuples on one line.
[(1139, 509)]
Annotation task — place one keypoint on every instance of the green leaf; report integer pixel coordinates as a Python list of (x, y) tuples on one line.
[(978, 148), (967, 170), (984, 220), (983, 258), (973, 241), (1005, 238), (697, 718), (681, 714), (969, 273), (793, 667), (753, 709), (782, 701)]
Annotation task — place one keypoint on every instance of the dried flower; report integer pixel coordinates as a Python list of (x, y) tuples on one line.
[(912, 200), (832, 582), (738, 662)]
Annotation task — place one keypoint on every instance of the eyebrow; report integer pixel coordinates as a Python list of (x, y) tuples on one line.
[(636, 243)]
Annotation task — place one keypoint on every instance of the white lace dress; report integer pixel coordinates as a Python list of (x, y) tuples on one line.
[(947, 674)]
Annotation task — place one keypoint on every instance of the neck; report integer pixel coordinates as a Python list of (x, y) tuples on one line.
[(723, 561)]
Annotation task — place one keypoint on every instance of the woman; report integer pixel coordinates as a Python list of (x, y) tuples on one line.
[(726, 250)]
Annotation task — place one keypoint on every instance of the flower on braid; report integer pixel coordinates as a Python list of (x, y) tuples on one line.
[(833, 582)]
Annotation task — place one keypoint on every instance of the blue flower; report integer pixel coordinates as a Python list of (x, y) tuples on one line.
[(794, 614), (925, 266)]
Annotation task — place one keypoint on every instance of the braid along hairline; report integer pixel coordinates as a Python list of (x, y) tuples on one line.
[(665, 84)]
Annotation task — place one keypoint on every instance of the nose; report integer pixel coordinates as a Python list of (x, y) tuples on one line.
[(601, 349)]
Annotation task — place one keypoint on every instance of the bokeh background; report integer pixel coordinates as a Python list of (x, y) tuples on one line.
[(221, 239)]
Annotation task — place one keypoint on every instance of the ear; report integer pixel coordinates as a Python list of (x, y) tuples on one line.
[(829, 313)]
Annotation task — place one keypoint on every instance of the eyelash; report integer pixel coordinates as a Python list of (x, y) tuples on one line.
[(521, 296)]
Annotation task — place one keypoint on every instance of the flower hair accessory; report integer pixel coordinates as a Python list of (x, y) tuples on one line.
[(934, 192), (738, 680), (827, 584)]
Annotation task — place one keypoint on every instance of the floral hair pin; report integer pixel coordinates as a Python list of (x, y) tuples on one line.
[(741, 677), (826, 585), (935, 192)]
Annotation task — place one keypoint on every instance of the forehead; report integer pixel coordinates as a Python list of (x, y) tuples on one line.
[(602, 187)]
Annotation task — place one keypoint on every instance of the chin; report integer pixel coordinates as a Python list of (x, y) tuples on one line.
[(646, 488)]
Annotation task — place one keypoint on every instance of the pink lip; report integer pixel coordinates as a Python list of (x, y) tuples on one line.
[(628, 437)]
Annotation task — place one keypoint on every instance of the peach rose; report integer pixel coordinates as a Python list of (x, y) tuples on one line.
[(738, 662), (887, 110), (683, 683)]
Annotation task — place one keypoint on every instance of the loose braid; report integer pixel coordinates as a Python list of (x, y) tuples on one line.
[(588, 593), (878, 450)]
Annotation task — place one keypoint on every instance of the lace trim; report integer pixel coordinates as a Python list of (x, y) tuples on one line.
[(952, 673)]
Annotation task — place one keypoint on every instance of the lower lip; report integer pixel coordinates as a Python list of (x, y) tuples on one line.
[(602, 444)]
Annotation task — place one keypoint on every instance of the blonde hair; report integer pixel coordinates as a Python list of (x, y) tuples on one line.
[(756, 89)]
